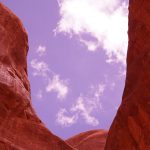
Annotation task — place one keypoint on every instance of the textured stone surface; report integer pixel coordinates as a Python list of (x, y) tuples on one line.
[(131, 127), (20, 128), (90, 140)]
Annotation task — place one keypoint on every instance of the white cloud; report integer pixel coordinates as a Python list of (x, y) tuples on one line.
[(83, 109), (39, 94), (98, 91), (40, 68), (41, 50), (65, 120), (59, 86), (112, 85), (85, 106), (91, 45), (55, 84), (105, 21)]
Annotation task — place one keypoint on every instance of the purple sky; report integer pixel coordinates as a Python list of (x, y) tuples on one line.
[(76, 61)]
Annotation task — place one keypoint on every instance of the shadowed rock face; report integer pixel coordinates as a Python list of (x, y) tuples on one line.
[(131, 127), (20, 128), (90, 140)]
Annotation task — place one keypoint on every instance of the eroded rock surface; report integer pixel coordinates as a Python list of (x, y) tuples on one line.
[(90, 140), (20, 128), (131, 127)]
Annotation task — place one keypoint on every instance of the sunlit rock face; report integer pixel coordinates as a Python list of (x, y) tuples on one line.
[(20, 128), (131, 127), (90, 140)]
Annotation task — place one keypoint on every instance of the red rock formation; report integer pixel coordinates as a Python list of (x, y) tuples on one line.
[(91, 140), (20, 128), (131, 127)]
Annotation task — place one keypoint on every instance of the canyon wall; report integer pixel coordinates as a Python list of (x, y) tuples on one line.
[(130, 129), (20, 128), (90, 140)]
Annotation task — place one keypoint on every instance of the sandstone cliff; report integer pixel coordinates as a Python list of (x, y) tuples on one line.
[(20, 128), (90, 140), (131, 127)]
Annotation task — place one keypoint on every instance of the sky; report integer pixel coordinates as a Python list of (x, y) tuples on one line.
[(76, 60)]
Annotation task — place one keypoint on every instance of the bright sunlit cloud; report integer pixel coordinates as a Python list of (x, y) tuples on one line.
[(105, 21)]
